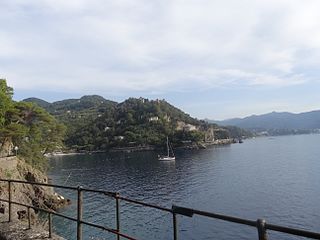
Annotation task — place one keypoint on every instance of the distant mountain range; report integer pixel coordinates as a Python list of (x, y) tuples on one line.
[(277, 123)]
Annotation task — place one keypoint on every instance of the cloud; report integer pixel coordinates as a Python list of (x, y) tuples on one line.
[(152, 46)]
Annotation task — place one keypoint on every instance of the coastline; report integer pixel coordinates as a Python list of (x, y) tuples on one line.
[(185, 146)]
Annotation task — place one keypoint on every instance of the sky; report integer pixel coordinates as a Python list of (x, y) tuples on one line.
[(213, 59)]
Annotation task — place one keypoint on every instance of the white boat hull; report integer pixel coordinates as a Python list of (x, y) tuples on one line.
[(167, 158)]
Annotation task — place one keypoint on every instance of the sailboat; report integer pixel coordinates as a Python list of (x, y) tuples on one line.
[(168, 157)]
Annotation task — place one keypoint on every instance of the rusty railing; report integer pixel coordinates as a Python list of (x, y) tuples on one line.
[(261, 225)]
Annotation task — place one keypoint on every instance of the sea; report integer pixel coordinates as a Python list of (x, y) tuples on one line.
[(273, 178)]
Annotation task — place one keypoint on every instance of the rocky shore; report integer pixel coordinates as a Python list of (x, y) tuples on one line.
[(31, 195)]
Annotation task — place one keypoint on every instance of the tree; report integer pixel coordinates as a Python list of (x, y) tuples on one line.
[(5, 100), (28, 126), (43, 133), (6, 105)]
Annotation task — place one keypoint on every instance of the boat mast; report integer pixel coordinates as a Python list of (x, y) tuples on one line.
[(171, 149), (168, 146)]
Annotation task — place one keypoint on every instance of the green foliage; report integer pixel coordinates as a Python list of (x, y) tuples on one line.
[(136, 122), (5, 100), (30, 128), (222, 134), (236, 132), (76, 114), (94, 123), (193, 136)]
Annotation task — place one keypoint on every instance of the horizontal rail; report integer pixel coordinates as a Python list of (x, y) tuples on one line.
[(189, 212), (174, 211), (71, 218), (111, 194), (39, 209), (39, 184), (293, 231)]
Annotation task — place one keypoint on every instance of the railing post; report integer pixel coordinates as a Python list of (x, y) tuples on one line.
[(262, 231), (29, 218), (118, 214), (175, 226), (10, 199), (79, 214), (50, 224)]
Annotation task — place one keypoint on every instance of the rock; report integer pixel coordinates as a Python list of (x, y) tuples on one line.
[(30, 177), (22, 214), (32, 195), (2, 209)]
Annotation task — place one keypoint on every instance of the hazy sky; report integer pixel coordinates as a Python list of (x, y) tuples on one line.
[(213, 59)]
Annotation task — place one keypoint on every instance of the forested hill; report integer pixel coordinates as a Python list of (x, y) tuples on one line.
[(277, 123), (75, 113), (139, 122), (94, 123)]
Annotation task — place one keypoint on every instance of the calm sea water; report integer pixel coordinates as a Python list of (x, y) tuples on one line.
[(274, 178)]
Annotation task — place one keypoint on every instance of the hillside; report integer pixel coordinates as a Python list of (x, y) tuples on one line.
[(75, 113), (278, 123), (94, 123), (71, 109), (140, 122)]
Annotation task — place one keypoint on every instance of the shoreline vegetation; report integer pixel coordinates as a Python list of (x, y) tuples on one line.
[(191, 146), (97, 124)]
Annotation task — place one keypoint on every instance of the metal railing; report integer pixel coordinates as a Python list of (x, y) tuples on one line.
[(259, 224)]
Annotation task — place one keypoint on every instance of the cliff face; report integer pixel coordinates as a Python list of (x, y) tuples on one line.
[(38, 196)]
